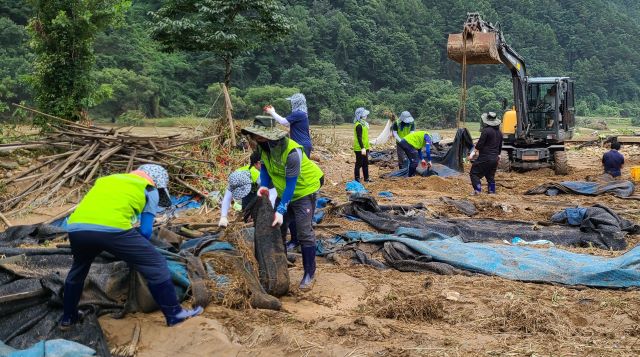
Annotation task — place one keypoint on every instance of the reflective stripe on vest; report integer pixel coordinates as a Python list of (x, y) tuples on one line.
[(114, 201), (416, 139), (308, 180), (365, 137)]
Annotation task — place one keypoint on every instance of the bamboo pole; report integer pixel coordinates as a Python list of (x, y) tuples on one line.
[(228, 108)]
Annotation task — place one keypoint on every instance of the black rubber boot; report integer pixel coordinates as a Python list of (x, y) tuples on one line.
[(309, 264)]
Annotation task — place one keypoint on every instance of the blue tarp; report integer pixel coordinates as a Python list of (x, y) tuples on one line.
[(618, 188), (51, 348), (355, 186), (518, 262)]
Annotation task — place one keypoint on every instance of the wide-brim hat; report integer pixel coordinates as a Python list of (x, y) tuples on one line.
[(491, 119), (240, 184), (264, 126)]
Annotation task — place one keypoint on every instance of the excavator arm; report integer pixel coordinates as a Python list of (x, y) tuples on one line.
[(483, 43)]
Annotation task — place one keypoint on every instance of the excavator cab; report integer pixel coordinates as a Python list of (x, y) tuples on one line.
[(550, 109), (543, 112)]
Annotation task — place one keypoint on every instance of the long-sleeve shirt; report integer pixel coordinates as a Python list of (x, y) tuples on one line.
[(359, 135), (490, 144)]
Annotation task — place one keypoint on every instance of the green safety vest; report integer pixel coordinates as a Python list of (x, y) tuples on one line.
[(308, 180), (255, 174), (365, 137), (416, 139), (404, 131), (114, 201)]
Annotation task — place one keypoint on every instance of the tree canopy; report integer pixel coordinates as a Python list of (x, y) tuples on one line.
[(384, 54)]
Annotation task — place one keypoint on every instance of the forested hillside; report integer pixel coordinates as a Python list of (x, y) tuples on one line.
[(346, 53)]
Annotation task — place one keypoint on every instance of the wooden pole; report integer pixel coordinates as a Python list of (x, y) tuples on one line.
[(228, 108), (5, 220)]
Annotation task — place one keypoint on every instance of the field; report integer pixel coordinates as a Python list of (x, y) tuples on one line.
[(356, 310)]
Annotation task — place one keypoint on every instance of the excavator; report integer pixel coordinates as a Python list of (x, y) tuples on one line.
[(543, 113)]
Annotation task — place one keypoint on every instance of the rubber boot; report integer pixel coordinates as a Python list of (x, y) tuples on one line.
[(165, 296), (492, 188), (293, 243), (477, 189), (71, 299), (309, 264)]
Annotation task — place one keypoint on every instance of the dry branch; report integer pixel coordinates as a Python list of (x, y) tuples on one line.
[(90, 152)]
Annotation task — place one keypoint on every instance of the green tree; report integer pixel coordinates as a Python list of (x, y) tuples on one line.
[(226, 28), (328, 117), (62, 36)]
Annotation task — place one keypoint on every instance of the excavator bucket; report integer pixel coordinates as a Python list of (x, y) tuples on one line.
[(481, 48)]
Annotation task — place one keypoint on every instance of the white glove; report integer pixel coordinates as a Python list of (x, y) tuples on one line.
[(423, 163), (277, 220), (223, 222), (270, 110), (263, 191), (429, 166), (363, 151)]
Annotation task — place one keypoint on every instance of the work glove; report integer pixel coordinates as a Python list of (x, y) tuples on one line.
[(470, 157), (277, 219), (423, 163), (263, 191), (429, 166), (223, 222), (269, 109), (363, 151)]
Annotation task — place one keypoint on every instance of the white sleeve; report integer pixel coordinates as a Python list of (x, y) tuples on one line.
[(395, 134), (226, 204), (273, 194), (280, 119)]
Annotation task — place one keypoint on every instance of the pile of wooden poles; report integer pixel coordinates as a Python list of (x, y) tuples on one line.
[(88, 152)]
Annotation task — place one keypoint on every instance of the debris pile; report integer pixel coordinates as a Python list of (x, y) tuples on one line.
[(89, 152)]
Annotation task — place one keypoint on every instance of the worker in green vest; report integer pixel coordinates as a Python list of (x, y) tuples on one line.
[(412, 144), (361, 144), (103, 222), (401, 128), (296, 180), (243, 186)]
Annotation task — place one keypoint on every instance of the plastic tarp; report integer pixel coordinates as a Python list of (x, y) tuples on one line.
[(384, 136), (32, 280), (617, 188), (598, 218), (366, 208), (521, 263), (51, 348)]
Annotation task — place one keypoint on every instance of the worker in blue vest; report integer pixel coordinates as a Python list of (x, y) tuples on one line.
[(103, 222)]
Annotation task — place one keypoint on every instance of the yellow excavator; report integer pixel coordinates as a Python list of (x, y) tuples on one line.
[(543, 112)]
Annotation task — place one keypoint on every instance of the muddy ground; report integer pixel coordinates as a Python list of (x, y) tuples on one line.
[(356, 310)]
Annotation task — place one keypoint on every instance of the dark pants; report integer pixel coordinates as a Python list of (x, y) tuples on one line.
[(362, 161), (412, 154), (401, 156), (307, 150), (129, 246), (301, 212), (480, 169)]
